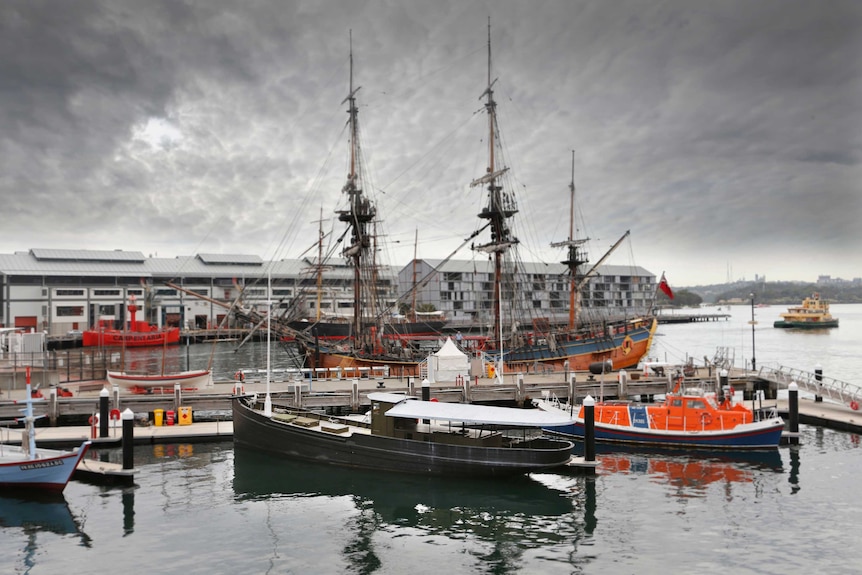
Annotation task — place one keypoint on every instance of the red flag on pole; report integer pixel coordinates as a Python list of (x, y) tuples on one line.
[(663, 286)]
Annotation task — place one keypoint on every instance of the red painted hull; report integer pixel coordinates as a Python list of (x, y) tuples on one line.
[(107, 338)]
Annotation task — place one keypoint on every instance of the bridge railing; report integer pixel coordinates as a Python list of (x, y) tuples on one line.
[(833, 389)]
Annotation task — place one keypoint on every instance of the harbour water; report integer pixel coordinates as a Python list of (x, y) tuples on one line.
[(207, 508)]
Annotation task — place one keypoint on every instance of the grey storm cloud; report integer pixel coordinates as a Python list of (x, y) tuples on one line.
[(723, 134)]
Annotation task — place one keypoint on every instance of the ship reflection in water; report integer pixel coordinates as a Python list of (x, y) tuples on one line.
[(689, 472), (517, 513), (36, 514)]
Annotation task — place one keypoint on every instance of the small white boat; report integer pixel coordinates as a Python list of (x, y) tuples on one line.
[(194, 379), (26, 467)]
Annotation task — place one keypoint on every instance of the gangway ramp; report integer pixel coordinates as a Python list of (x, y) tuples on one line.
[(836, 390)]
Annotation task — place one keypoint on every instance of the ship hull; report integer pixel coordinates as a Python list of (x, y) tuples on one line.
[(339, 331), (49, 472), (252, 429), (624, 349), (119, 338), (760, 435), (186, 379), (806, 324)]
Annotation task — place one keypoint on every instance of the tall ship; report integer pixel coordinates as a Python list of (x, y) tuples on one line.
[(516, 342), (812, 314), (366, 339)]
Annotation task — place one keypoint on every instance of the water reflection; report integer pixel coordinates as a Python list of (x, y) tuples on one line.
[(512, 514), (794, 468), (35, 514), (689, 472)]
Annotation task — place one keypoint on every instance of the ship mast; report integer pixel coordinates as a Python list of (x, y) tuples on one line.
[(319, 263), (575, 256), (501, 205), (361, 210)]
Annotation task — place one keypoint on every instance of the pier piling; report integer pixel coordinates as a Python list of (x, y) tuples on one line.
[(426, 394), (589, 428), (818, 376), (128, 439), (793, 408), (103, 412)]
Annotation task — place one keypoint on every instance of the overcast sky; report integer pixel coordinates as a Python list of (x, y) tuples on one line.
[(726, 135)]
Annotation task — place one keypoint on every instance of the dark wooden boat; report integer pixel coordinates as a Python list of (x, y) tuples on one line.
[(457, 440)]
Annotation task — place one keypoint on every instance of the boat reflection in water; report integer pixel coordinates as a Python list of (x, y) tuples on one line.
[(38, 512), (690, 472), (35, 513), (405, 496), (513, 513)]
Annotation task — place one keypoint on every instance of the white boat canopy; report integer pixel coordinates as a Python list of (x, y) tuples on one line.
[(469, 413)]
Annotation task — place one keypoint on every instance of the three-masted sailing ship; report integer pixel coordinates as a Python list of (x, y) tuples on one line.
[(369, 340), (621, 341)]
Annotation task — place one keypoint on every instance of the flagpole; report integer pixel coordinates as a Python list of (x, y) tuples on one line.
[(655, 294)]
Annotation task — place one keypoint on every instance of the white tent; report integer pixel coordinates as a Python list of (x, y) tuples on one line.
[(447, 363)]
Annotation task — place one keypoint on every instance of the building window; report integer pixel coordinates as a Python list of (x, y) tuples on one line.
[(70, 311), (69, 292), (166, 292), (100, 292)]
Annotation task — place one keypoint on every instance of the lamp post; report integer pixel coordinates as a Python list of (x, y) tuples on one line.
[(752, 322)]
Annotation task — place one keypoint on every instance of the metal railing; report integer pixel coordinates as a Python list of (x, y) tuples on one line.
[(827, 387)]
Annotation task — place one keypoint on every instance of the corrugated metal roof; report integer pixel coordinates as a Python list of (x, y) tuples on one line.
[(231, 259), (87, 255), (133, 264), (26, 263)]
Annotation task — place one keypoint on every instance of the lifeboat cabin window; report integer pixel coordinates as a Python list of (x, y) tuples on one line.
[(696, 404), (676, 403)]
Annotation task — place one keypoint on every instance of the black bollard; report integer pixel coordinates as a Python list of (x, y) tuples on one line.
[(128, 439), (104, 396), (818, 376), (793, 407), (426, 394), (589, 428)]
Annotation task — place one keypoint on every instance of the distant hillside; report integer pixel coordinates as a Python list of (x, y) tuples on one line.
[(785, 293)]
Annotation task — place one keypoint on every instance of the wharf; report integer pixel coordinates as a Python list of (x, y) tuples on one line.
[(69, 436), (210, 407), (824, 414), (691, 317)]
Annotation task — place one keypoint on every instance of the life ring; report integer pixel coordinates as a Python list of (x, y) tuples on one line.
[(627, 345), (854, 405), (93, 420), (114, 415), (239, 376), (705, 418)]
